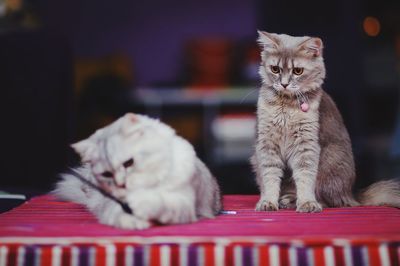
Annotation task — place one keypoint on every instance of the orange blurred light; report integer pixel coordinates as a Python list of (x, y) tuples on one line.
[(371, 26)]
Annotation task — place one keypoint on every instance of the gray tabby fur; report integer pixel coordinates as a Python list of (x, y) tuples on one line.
[(303, 158)]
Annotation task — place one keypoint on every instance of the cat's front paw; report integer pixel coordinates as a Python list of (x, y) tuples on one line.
[(266, 205), (127, 221), (145, 205), (309, 206)]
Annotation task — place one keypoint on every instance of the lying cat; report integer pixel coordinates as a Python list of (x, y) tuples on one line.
[(303, 156), (143, 163)]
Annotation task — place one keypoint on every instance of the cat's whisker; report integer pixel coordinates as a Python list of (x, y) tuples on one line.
[(247, 95), (304, 97), (297, 98)]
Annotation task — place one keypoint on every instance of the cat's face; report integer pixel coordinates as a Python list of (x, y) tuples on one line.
[(131, 153), (291, 65)]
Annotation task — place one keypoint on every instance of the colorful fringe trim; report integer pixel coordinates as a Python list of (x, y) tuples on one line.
[(198, 254)]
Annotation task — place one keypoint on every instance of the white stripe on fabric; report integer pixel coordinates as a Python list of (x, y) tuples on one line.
[(3, 255), (183, 254), (92, 256), (56, 256), (256, 255), (110, 255), (329, 256), (74, 256), (238, 256), (274, 255), (146, 254), (348, 257), (129, 250), (219, 251), (200, 256), (21, 256), (310, 257), (384, 255), (165, 253), (293, 256), (38, 253), (365, 255)]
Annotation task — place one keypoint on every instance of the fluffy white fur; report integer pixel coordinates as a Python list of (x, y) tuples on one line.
[(152, 169)]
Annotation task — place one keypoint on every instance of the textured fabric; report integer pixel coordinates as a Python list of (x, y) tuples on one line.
[(45, 231)]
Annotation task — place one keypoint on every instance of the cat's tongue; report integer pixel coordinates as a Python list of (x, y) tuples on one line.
[(304, 107)]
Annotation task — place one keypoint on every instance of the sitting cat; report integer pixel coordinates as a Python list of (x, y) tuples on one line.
[(303, 156), (143, 163)]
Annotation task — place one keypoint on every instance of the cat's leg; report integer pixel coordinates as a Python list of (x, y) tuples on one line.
[(304, 164), (336, 175), (269, 172), (166, 207)]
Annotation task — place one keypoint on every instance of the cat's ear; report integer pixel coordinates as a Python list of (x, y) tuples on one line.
[(85, 148), (268, 41), (312, 47), (129, 123)]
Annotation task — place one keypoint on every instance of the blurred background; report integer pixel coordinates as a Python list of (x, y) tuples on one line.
[(70, 67)]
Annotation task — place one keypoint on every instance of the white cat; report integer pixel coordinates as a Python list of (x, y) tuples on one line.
[(142, 162)]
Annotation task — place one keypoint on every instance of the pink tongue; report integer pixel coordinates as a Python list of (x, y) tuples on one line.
[(304, 107)]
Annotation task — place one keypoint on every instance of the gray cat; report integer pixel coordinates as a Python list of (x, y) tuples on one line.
[(303, 156)]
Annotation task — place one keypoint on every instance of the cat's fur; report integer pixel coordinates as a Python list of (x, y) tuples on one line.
[(154, 171), (303, 158)]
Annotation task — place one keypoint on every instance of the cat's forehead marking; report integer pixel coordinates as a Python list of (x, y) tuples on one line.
[(284, 61)]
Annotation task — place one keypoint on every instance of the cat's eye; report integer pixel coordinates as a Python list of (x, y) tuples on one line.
[(298, 71), (275, 69), (107, 174), (128, 163)]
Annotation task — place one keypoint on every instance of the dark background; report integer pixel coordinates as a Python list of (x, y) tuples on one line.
[(68, 67)]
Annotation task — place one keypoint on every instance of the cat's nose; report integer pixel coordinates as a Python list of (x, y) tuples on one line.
[(284, 85), (120, 185)]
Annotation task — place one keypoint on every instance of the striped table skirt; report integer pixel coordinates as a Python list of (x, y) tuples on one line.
[(44, 231)]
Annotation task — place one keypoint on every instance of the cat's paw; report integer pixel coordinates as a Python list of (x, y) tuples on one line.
[(287, 201), (127, 221), (309, 206), (266, 205), (145, 205)]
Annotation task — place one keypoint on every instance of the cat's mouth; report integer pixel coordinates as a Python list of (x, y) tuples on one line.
[(117, 192)]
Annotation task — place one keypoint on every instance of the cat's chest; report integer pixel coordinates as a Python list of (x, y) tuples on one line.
[(281, 122)]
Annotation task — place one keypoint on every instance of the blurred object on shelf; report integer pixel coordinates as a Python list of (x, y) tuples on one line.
[(251, 64), (194, 112), (18, 14), (9, 200), (88, 68), (233, 136), (188, 125), (218, 121), (209, 63), (160, 96), (102, 86)]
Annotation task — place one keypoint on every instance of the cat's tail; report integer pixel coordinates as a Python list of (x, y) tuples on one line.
[(381, 193), (69, 188)]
